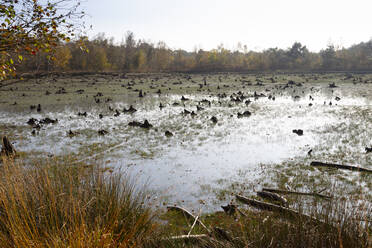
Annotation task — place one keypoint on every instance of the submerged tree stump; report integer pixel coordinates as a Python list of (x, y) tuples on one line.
[(7, 148)]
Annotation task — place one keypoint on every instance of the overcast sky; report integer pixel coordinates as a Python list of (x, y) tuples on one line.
[(259, 24)]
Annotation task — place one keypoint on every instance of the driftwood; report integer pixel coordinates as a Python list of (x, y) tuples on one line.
[(7, 148), (272, 196), (279, 191), (196, 236), (266, 206), (216, 231), (340, 166), (193, 225), (189, 215), (275, 208)]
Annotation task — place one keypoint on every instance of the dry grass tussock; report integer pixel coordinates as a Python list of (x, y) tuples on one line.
[(56, 205)]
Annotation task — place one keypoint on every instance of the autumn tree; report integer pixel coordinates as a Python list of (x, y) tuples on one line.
[(162, 57), (32, 26), (62, 57)]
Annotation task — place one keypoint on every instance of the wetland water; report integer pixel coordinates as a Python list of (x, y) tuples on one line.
[(203, 162)]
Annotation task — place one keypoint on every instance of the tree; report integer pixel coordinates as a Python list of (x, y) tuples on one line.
[(130, 46), (62, 57), (297, 56), (32, 26), (329, 58), (139, 60), (162, 57), (297, 50)]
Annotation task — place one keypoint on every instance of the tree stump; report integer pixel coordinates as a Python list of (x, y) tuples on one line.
[(7, 148)]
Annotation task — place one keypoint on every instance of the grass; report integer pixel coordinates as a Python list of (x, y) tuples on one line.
[(338, 228), (53, 204), (56, 205)]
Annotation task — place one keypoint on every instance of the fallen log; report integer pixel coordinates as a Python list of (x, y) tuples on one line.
[(273, 196), (266, 206), (275, 208), (279, 191), (188, 215), (340, 166)]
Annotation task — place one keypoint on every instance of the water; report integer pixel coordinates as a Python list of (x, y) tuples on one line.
[(201, 158)]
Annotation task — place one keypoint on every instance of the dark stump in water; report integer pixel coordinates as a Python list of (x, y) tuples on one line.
[(198, 108), (186, 112), (146, 124), (47, 120), (214, 119), (71, 133), (134, 124), (299, 132), (244, 114), (32, 121), (332, 85), (102, 132), (130, 109), (168, 134)]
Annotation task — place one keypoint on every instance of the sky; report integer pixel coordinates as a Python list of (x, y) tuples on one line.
[(259, 24)]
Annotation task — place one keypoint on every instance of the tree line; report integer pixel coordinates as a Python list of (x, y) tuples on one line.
[(103, 54)]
